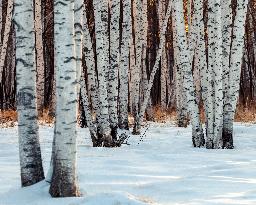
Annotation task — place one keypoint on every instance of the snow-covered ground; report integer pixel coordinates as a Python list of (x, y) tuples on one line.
[(162, 169)]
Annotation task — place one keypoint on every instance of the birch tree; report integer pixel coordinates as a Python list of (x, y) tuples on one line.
[(214, 76), (90, 64), (29, 147), (231, 97), (185, 64), (64, 176), (4, 44), (136, 69), (114, 63), (161, 14), (124, 64), (39, 54), (101, 13)]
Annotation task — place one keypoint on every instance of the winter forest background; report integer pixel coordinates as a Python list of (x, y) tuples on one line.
[(109, 101)]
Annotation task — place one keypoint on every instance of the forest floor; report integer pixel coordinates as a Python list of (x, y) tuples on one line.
[(160, 168)]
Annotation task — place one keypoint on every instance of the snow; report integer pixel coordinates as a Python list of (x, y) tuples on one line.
[(161, 168)]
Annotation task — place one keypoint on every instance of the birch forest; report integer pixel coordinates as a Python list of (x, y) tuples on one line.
[(112, 72)]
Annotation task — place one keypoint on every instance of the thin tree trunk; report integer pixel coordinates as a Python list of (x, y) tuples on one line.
[(90, 64), (114, 63), (4, 45), (39, 55), (124, 65)]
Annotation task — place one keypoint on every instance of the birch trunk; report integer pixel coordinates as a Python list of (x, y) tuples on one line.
[(185, 64), (214, 74), (7, 29), (234, 74), (114, 63), (136, 70), (29, 146), (124, 65), (64, 176), (87, 110), (39, 55), (90, 64), (100, 14), (181, 105)]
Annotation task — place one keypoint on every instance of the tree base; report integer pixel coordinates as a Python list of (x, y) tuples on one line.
[(34, 178), (198, 139), (227, 139), (109, 140), (124, 125), (61, 185)]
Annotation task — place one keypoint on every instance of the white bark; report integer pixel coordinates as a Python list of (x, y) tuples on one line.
[(7, 32), (124, 64), (29, 147), (185, 64), (39, 54), (181, 101), (234, 73), (64, 177), (214, 74), (87, 110), (136, 70), (114, 62), (100, 14)]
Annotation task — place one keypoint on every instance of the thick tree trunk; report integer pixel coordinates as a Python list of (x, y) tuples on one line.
[(29, 147), (101, 13), (64, 176), (185, 64), (234, 74)]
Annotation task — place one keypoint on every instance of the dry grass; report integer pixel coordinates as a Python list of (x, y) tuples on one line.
[(8, 118), (246, 114), (45, 117)]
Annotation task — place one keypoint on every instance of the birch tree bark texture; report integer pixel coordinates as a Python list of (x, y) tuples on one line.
[(231, 96), (181, 102), (185, 64), (114, 63), (214, 76), (124, 64), (29, 147), (64, 176), (107, 135)]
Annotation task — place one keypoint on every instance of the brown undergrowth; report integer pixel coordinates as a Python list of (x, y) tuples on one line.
[(8, 118)]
